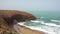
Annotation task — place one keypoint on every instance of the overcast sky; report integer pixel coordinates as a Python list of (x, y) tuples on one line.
[(43, 5)]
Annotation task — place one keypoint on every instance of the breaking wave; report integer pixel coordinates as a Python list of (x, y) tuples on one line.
[(40, 25)]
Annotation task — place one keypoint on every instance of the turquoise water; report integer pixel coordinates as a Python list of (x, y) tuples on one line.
[(47, 21), (47, 15)]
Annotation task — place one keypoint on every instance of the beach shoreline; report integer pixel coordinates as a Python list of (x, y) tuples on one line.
[(25, 30)]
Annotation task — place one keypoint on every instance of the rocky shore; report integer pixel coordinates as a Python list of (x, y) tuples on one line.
[(9, 20)]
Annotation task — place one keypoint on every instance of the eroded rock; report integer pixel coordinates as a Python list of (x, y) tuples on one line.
[(4, 28), (10, 17)]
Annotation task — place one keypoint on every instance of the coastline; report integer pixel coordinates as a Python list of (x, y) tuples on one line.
[(25, 30)]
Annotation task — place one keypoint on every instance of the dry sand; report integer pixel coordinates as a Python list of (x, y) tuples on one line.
[(25, 30)]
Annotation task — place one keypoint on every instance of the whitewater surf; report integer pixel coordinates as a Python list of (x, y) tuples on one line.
[(48, 28)]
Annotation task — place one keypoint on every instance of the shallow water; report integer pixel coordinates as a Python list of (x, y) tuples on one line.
[(48, 22), (49, 28)]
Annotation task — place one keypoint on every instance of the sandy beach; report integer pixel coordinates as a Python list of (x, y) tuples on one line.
[(25, 30)]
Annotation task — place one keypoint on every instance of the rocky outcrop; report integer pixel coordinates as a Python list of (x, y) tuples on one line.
[(21, 14), (4, 28), (10, 17)]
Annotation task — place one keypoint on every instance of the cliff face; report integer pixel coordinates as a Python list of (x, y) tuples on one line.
[(23, 15), (4, 28), (9, 17)]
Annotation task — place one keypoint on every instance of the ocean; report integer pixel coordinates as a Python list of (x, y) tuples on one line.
[(47, 21)]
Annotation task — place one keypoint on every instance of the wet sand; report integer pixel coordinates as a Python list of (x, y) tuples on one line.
[(25, 30)]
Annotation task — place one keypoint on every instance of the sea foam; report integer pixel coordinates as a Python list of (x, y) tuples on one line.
[(49, 28)]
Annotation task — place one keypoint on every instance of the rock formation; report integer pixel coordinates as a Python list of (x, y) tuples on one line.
[(4, 28), (11, 17)]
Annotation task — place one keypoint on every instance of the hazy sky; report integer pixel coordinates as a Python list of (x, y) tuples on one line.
[(44, 5)]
